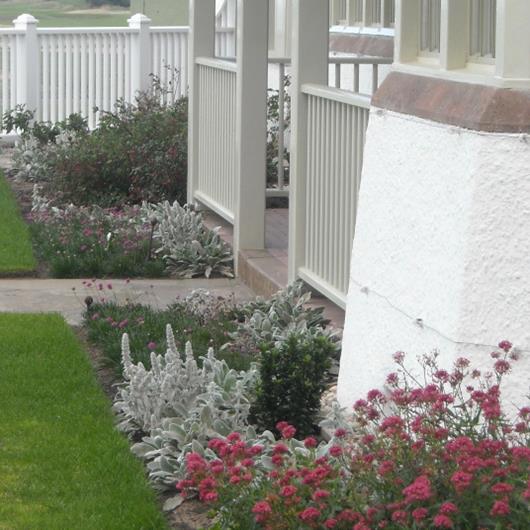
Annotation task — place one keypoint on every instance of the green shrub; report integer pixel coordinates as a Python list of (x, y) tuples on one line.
[(292, 376), (137, 153)]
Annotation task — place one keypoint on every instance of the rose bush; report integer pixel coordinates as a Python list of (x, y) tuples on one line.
[(435, 452)]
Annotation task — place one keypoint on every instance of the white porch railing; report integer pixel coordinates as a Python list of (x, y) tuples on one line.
[(337, 122), (217, 170), (345, 72), (59, 71)]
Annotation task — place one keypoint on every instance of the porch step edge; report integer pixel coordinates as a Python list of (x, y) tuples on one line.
[(262, 272)]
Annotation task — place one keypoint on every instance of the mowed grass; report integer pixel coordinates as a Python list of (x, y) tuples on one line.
[(16, 255), (62, 463), (62, 13)]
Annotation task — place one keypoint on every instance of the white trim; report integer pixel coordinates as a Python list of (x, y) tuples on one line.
[(337, 94), (214, 206), (323, 287), (482, 74), (363, 30), (218, 64)]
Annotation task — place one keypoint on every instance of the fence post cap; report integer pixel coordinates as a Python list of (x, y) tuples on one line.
[(25, 20), (138, 20)]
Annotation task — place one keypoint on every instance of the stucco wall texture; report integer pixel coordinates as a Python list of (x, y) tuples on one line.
[(442, 235)]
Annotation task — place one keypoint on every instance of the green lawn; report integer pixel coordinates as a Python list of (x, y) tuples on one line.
[(16, 255), (62, 13), (63, 465)]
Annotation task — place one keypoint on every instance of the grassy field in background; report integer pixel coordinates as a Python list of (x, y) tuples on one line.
[(62, 13), (63, 465), (16, 255)]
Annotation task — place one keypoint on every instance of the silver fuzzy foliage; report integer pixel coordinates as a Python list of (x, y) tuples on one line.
[(188, 247), (287, 312), (180, 405)]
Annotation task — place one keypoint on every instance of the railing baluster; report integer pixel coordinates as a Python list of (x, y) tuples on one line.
[(281, 125), (375, 78)]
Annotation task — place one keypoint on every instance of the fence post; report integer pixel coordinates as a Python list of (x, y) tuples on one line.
[(251, 124), (27, 63), (140, 53), (310, 48), (201, 44)]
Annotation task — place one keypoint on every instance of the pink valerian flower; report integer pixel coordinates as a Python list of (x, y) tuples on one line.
[(261, 511), (288, 491), (502, 488), (288, 432), (400, 516), (442, 521), (502, 366), (505, 345), (321, 494), (309, 514), (447, 508), (280, 448), (399, 357), (392, 425), (375, 396), (385, 467), (310, 442), (335, 451), (392, 379), (340, 433), (419, 490), (461, 480), (419, 514), (500, 509)]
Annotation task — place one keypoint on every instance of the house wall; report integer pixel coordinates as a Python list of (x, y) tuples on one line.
[(442, 235)]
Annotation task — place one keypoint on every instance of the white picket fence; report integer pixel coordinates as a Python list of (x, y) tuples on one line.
[(59, 71)]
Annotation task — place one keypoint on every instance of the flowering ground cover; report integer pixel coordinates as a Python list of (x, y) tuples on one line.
[(432, 450), (106, 323), (16, 255), (62, 463), (79, 242)]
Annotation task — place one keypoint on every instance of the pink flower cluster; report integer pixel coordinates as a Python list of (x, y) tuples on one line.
[(433, 455)]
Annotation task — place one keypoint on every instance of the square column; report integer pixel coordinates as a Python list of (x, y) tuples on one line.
[(513, 42), (251, 124), (310, 51)]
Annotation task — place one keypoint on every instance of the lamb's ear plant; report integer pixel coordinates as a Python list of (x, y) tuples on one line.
[(180, 406), (273, 320), (188, 247)]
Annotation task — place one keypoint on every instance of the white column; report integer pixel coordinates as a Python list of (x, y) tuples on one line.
[(513, 41), (140, 53), (28, 63), (407, 33), (310, 49), (201, 44), (454, 34), (251, 124)]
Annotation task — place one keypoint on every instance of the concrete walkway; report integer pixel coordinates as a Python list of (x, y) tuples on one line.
[(29, 295)]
